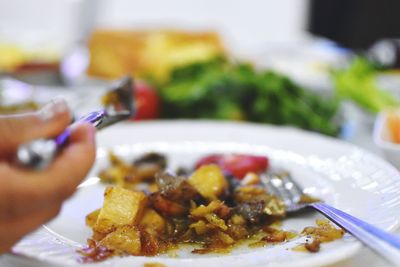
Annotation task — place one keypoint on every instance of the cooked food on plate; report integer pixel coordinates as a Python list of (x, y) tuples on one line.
[(215, 206)]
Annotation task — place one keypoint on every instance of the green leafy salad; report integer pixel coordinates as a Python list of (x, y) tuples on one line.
[(220, 89)]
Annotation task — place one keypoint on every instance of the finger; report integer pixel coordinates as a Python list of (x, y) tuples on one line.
[(52, 119), (13, 229), (60, 180), (74, 163)]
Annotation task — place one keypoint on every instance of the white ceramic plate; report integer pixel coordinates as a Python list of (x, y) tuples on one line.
[(341, 174)]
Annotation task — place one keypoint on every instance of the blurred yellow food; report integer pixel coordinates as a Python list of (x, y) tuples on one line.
[(11, 57), (148, 53), (14, 56)]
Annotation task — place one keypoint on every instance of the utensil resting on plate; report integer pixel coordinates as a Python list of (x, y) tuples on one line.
[(383, 243), (119, 106)]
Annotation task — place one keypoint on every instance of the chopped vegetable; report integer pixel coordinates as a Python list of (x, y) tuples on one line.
[(220, 89), (358, 83), (146, 102), (236, 164), (324, 232)]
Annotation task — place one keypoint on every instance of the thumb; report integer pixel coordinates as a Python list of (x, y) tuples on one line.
[(51, 120)]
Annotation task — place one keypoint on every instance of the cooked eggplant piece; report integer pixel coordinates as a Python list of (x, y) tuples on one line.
[(144, 168), (149, 164), (166, 206), (256, 197), (251, 211), (152, 158), (175, 188), (182, 171)]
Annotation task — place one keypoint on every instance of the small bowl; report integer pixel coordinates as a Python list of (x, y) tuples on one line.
[(382, 139)]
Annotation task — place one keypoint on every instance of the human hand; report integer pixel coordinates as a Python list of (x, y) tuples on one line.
[(30, 198)]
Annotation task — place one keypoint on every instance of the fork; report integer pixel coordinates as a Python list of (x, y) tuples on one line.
[(38, 154), (383, 243)]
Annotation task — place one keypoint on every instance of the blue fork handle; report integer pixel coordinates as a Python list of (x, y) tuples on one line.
[(94, 118), (383, 243), (38, 154)]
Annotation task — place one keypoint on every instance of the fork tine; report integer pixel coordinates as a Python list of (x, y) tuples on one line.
[(292, 187), (266, 181), (276, 185)]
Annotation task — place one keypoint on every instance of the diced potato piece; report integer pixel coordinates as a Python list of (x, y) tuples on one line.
[(151, 220), (120, 207), (91, 218), (209, 181), (125, 239)]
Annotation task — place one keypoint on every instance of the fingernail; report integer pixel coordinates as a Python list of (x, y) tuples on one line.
[(51, 110)]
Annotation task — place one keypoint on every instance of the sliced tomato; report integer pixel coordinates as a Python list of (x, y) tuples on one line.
[(236, 164), (147, 102)]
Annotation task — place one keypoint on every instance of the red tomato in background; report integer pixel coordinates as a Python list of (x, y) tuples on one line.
[(236, 164), (147, 102)]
